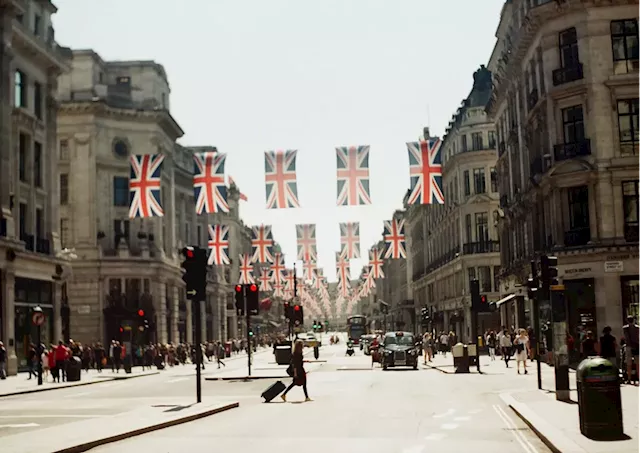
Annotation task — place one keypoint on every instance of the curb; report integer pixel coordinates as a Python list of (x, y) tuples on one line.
[(80, 384), (550, 436), (147, 429)]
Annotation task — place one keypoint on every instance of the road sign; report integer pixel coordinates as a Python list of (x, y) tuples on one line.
[(193, 292), (37, 318)]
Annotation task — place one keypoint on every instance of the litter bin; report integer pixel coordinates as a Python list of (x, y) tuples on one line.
[(227, 349), (599, 405), (126, 364), (283, 353), (460, 354), (74, 369)]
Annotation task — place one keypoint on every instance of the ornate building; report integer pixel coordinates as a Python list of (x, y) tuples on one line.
[(128, 270), (565, 105), (30, 272), (456, 242)]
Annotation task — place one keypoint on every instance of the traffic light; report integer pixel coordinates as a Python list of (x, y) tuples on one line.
[(549, 274), (239, 292), (141, 313), (297, 315), (532, 282), (250, 332), (424, 316), (476, 301), (287, 311), (253, 295), (195, 272)]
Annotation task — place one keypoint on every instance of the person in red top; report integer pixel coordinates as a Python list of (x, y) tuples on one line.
[(51, 358), (62, 359)]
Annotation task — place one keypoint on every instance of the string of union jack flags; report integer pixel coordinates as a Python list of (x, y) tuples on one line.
[(210, 190)]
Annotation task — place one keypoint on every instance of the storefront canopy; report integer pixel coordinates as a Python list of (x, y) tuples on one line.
[(505, 299)]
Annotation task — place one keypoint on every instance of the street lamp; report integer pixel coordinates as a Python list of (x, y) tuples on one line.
[(38, 319)]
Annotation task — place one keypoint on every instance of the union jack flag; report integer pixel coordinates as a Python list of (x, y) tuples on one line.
[(277, 268), (394, 239), (261, 244), (309, 268), (209, 188), (246, 269), (144, 186), (265, 279), (278, 290), (280, 179), (290, 283), (233, 183), (425, 168), (353, 175), (343, 270), (350, 240), (219, 245), (318, 279), (307, 249), (376, 262)]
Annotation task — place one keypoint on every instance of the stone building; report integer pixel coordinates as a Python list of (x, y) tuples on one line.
[(458, 241), (565, 105), (108, 111), (30, 272)]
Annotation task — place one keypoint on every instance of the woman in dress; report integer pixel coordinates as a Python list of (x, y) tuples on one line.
[(521, 343), (299, 374)]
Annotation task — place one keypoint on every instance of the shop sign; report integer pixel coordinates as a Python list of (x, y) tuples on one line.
[(570, 273), (623, 256), (613, 266)]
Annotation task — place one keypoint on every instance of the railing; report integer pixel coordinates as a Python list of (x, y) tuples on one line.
[(631, 231), (43, 246), (577, 237), (442, 260), (28, 240), (532, 99), (471, 248), (565, 151), (568, 74), (3, 227)]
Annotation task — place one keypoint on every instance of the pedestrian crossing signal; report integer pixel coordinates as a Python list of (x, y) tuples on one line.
[(141, 313)]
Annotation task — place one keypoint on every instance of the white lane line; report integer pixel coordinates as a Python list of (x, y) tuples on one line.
[(462, 419), (435, 436), (177, 380), (55, 416), (444, 414), (414, 449), (23, 425), (81, 394), (524, 443), (449, 426)]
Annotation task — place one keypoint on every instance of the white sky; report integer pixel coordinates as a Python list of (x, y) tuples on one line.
[(249, 76)]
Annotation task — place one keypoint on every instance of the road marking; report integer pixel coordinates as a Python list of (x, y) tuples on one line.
[(82, 394), (449, 426), (23, 425), (177, 380), (444, 414), (435, 436), (462, 419), (55, 416), (523, 441), (414, 449)]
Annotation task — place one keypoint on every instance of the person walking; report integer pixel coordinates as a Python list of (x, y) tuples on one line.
[(491, 343), (521, 343), (506, 346), (220, 354), (299, 374), (631, 333), (609, 346)]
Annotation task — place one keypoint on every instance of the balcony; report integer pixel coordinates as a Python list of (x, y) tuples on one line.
[(29, 241), (471, 248), (532, 99), (566, 75), (631, 231), (442, 260), (565, 151), (3, 228), (577, 237), (43, 246)]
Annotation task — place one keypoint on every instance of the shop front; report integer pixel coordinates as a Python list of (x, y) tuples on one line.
[(29, 294)]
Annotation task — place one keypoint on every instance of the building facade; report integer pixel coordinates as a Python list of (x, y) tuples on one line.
[(30, 272), (128, 270), (458, 241), (565, 106)]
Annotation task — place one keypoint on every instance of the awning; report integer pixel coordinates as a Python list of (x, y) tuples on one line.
[(505, 299)]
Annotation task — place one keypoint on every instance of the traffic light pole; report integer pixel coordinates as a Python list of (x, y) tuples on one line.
[(536, 321), (249, 345), (198, 345)]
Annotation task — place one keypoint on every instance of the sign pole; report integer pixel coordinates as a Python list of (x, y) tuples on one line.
[(248, 315), (198, 341)]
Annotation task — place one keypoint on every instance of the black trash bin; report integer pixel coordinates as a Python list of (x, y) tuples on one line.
[(599, 404), (74, 369), (283, 353), (127, 364)]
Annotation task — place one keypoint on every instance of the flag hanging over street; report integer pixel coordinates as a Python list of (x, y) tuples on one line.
[(246, 269), (425, 169), (218, 245), (209, 188), (376, 262), (144, 186), (350, 240), (394, 239), (265, 279), (232, 182), (309, 268), (342, 270), (277, 269), (353, 175), (280, 179), (307, 248), (261, 244)]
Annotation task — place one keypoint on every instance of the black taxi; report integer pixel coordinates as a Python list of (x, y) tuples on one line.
[(399, 349)]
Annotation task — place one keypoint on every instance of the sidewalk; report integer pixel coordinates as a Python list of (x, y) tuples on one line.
[(20, 385), (445, 365)]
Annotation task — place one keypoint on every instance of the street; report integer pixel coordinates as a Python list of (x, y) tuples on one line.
[(354, 408)]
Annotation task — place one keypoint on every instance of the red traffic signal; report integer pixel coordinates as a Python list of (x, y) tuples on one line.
[(253, 288), (141, 312), (121, 330), (238, 288), (483, 299), (297, 308)]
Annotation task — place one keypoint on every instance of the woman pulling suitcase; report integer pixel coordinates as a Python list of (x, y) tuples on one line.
[(296, 370)]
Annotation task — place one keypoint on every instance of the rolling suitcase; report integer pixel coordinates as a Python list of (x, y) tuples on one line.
[(273, 391)]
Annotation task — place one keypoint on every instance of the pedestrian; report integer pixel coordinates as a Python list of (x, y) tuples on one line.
[(297, 369), (505, 347), (427, 345), (3, 361), (117, 357), (491, 343), (631, 334), (62, 356), (444, 343), (609, 346), (220, 354), (589, 345), (521, 343)]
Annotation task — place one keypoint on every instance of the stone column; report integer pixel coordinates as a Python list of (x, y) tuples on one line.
[(8, 288), (175, 316), (160, 299), (57, 316), (6, 74), (50, 163)]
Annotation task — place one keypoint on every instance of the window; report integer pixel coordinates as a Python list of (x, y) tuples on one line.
[(64, 189), (485, 278), (472, 273), (624, 43), (573, 124), (492, 139), (64, 233), (120, 191), (578, 207), (37, 100), (630, 209), (628, 125), (123, 81), (23, 219), (37, 25), (479, 182), (20, 93), (199, 238), (463, 148), (467, 228), (482, 227), (23, 141), (37, 164), (121, 230), (39, 223), (568, 48), (494, 180), (496, 278), (476, 141), (467, 183), (64, 149)]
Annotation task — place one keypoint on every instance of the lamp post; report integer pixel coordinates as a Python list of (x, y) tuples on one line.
[(38, 318)]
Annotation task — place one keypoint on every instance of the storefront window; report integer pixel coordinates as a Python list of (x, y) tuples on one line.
[(629, 298), (29, 294)]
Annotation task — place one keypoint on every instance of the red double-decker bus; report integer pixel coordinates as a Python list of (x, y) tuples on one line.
[(356, 327)]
